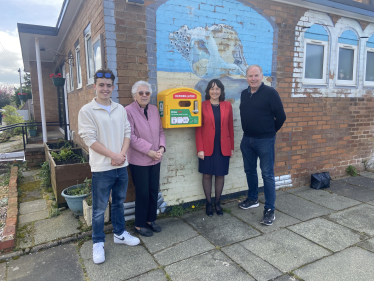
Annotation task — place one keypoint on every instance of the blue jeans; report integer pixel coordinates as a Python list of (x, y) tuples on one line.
[(264, 149), (115, 180)]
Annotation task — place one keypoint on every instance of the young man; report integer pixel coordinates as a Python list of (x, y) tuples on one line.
[(262, 115), (104, 127)]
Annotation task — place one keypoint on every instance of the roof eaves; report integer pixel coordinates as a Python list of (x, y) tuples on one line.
[(37, 29)]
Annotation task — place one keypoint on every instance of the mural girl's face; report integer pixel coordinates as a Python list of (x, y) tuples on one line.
[(214, 93), (143, 96)]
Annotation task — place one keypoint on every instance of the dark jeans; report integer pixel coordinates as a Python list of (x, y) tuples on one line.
[(115, 180), (146, 180), (264, 149)]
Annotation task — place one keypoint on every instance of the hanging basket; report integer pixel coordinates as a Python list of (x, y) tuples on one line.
[(58, 81)]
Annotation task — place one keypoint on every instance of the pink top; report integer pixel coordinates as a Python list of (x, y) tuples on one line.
[(145, 134)]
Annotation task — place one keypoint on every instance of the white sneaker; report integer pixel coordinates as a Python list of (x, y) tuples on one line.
[(126, 238), (98, 253)]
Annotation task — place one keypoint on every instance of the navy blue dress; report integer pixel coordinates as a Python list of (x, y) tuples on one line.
[(216, 164)]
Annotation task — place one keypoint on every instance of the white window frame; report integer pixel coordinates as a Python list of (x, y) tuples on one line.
[(347, 82), (67, 82), (368, 50), (98, 38), (78, 67), (71, 84), (90, 80), (325, 44)]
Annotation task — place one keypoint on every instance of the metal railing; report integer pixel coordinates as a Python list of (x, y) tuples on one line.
[(24, 126)]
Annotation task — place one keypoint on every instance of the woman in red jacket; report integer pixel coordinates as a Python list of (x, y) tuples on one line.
[(215, 142)]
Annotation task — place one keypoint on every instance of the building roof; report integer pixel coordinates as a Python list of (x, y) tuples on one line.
[(50, 38)]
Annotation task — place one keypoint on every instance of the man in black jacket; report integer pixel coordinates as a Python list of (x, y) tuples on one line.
[(262, 115)]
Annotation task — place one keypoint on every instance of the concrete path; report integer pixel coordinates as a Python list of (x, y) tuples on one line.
[(317, 235)]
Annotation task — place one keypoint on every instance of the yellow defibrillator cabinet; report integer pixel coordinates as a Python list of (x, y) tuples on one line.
[(179, 107)]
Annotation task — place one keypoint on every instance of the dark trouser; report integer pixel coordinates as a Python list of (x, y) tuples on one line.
[(252, 149), (146, 180), (102, 183)]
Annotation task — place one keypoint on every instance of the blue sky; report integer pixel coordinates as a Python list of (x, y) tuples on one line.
[(39, 12)]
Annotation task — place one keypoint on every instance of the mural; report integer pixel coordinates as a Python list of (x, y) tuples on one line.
[(197, 42)]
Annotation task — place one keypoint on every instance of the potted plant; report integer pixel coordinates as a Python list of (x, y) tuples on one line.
[(57, 79), (69, 166), (87, 210), (31, 127), (75, 194), (22, 96)]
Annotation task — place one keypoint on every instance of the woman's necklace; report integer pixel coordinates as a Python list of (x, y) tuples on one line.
[(214, 104)]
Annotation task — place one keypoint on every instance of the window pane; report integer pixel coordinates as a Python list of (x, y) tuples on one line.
[(314, 61), (370, 67), (97, 54), (71, 75), (79, 75), (90, 59), (346, 58)]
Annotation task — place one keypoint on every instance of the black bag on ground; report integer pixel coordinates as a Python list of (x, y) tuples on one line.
[(320, 180)]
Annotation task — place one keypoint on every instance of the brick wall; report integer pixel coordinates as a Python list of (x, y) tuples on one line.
[(91, 11), (50, 93)]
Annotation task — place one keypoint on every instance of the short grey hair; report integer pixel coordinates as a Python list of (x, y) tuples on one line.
[(254, 65), (135, 87)]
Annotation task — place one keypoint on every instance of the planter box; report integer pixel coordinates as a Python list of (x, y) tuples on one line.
[(63, 176), (56, 146), (87, 213)]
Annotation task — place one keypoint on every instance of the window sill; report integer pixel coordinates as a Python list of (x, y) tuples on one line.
[(346, 85), (79, 88), (314, 84)]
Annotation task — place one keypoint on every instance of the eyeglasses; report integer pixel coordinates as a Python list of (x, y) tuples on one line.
[(106, 75), (141, 93)]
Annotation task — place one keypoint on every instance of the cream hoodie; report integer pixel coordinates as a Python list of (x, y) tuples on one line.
[(96, 124)]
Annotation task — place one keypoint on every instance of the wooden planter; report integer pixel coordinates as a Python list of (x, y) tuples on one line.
[(56, 146), (63, 176), (87, 213)]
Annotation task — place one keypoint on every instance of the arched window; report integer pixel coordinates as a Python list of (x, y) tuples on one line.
[(369, 74), (347, 61), (315, 55)]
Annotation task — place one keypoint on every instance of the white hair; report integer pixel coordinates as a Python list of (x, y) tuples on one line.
[(252, 66), (135, 87)]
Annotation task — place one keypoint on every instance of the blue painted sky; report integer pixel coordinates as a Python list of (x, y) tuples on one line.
[(254, 31)]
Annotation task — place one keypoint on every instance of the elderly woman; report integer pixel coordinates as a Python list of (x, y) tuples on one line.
[(144, 156)]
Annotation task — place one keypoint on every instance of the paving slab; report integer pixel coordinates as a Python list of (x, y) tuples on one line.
[(256, 267), (155, 275), (261, 197), (184, 250), (40, 215), (2, 271), (368, 244), (328, 234), (300, 208), (351, 264), (370, 202), (24, 235), (32, 206), (121, 261), (220, 230), (253, 217), (298, 189), (50, 229), (285, 250), (327, 199), (286, 277), (173, 231), (359, 218), (354, 192), (59, 263), (367, 174), (209, 266), (360, 181)]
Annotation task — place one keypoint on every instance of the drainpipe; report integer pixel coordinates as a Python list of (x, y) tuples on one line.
[(41, 93)]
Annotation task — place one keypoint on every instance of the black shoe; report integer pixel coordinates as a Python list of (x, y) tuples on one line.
[(209, 209), (218, 208), (143, 231), (248, 203), (268, 218), (153, 226)]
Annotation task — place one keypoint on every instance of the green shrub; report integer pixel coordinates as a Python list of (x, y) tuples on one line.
[(11, 116), (45, 174), (352, 171)]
